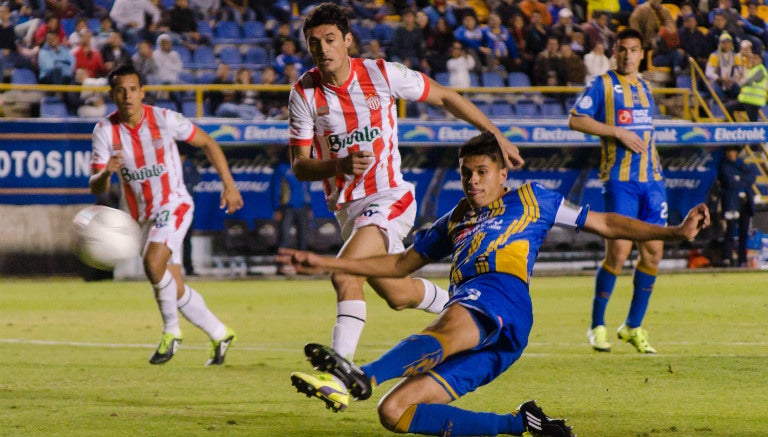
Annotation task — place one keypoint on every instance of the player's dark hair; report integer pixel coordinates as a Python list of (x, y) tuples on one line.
[(629, 33), (327, 13), (123, 70), (484, 144)]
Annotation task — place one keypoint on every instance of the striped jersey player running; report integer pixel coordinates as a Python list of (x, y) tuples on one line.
[(343, 131)]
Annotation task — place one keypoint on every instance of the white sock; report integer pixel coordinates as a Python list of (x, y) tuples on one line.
[(350, 320), (193, 307), (165, 295), (435, 297)]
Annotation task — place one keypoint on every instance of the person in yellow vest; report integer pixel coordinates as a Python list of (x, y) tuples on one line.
[(752, 95)]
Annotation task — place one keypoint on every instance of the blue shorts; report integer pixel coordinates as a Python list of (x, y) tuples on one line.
[(646, 201), (501, 307)]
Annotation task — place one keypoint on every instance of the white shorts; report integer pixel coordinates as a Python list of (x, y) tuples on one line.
[(168, 226), (393, 211)]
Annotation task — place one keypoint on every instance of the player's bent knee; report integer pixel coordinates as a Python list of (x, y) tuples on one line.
[(390, 414), (347, 286)]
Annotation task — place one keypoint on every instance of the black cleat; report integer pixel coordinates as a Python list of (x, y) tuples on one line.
[(166, 349), (326, 359), (541, 425)]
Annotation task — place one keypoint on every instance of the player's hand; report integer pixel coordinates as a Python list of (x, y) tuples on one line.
[(304, 262), (631, 141), (231, 199), (696, 220), (115, 163), (355, 163), (511, 153)]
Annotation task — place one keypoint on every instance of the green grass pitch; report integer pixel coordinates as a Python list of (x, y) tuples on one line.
[(73, 360)]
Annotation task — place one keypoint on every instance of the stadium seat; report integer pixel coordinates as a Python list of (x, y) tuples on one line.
[(52, 107), (683, 81), (94, 24), (265, 234), (68, 24), (226, 32), (204, 28), (483, 105), (474, 80), (256, 56), (435, 112), (231, 56), (517, 78), (443, 78), (501, 108), (256, 76), (326, 237), (186, 76), (383, 33), (23, 76), (184, 54), (167, 104), (203, 57), (189, 109), (111, 107), (526, 108), (206, 77), (492, 79), (237, 237), (254, 30), (552, 108)]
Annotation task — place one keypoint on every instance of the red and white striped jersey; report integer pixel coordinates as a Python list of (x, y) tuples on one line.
[(151, 175), (361, 114)]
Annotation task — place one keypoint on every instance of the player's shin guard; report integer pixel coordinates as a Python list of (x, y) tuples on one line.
[(350, 320), (438, 419), (641, 295), (165, 295), (193, 307), (605, 281), (412, 356)]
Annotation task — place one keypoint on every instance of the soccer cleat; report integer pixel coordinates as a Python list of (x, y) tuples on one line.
[(637, 337), (538, 424), (598, 338), (219, 348), (165, 350), (322, 386), (326, 359)]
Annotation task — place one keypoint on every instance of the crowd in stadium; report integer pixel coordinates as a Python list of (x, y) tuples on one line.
[(461, 43)]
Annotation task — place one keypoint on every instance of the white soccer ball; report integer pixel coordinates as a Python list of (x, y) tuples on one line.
[(104, 236)]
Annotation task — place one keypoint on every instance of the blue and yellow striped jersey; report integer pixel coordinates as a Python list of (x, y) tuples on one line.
[(503, 237), (614, 100)]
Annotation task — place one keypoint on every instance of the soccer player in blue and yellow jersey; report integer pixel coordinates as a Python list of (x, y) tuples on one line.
[(493, 236), (618, 107)]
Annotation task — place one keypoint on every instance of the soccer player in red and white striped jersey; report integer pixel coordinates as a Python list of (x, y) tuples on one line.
[(343, 131), (138, 143)]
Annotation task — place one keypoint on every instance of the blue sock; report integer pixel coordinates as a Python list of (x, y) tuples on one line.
[(412, 356), (604, 283), (643, 283), (439, 419)]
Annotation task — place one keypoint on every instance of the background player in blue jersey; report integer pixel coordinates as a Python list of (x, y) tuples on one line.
[(493, 236), (618, 107)]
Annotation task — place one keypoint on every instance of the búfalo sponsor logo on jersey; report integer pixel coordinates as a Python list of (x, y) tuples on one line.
[(365, 135), (142, 173)]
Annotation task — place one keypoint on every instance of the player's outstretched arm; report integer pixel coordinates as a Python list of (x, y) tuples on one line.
[(99, 180), (393, 265), (617, 226), (230, 196), (588, 125), (460, 107)]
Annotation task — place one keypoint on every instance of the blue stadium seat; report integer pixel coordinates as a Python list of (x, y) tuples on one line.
[(474, 80), (231, 56), (111, 107), (501, 108), (167, 104), (189, 109), (226, 31), (517, 78), (256, 76), (256, 55), (435, 112), (68, 24), (204, 28), (526, 108), (254, 30), (206, 77), (443, 78), (552, 108), (383, 33), (186, 76), (482, 104), (184, 54), (52, 107), (364, 33), (683, 81), (94, 24), (23, 76), (492, 79), (203, 57)]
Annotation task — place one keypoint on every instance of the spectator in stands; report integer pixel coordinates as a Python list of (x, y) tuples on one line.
[(668, 52), (169, 66), (273, 104), (506, 9), (283, 33), (206, 9), (290, 74), (595, 62), (596, 30), (291, 207), (217, 97), (106, 27), (752, 85), (183, 25), (715, 31), (499, 46), (237, 11), (577, 43), (555, 7), (52, 24), (60, 8), (462, 8), (24, 23), (648, 19), (91, 103), (74, 38), (759, 27), (86, 57), (130, 18), (408, 44), (471, 37), (517, 29), (735, 25), (530, 6), (113, 52), (724, 70), (8, 50), (737, 204), (288, 56), (535, 41), (692, 42), (441, 9), (438, 44), (373, 50), (546, 67), (145, 62), (367, 9), (565, 27), (55, 61), (240, 103), (459, 66), (572, 71)]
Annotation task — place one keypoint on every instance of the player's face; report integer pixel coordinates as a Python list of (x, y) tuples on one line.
[(629, 53), (482, 180), (127, 93), (329, 48)]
